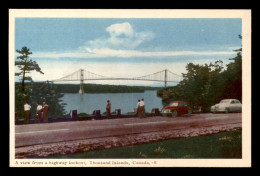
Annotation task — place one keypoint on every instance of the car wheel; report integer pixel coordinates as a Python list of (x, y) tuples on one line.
[(174, 113), (214, 111), (226, 110), (189, 112), (164, 115)]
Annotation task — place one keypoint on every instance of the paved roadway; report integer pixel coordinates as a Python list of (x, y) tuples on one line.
[(32, 134)]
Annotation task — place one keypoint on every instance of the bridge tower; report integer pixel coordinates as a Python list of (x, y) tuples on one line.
[(165, 78), (81, 89)]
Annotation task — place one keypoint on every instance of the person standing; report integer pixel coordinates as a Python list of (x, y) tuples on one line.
[(108, 109), (27, 112), (38, 112), (142, 108), (45, 112), (138, 109)]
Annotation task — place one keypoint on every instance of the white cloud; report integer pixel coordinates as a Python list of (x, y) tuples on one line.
[(57, 55), (122, 36), (107, 52), (118, 29), (123, 42)]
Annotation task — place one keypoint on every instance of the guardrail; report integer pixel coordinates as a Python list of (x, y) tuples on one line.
[(96, 115)]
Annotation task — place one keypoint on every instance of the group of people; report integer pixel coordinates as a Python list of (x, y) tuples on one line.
[(141, 109), (41, 112)]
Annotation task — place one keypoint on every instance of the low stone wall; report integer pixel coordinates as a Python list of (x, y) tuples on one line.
[(85, 145)]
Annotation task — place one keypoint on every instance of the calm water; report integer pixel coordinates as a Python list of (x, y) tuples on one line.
[(87, 103)]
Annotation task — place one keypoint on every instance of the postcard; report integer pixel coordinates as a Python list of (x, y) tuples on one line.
[(130, 88)]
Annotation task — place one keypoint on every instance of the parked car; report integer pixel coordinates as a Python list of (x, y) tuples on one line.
[(227, 105), (176, 108)]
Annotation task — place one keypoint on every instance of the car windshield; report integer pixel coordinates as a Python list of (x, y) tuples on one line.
[(224, 101), (237, 101), (173, 104)]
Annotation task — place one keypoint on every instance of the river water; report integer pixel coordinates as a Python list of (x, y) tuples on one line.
[(89, 102)]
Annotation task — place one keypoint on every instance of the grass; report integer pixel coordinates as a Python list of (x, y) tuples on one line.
[(221, 145)]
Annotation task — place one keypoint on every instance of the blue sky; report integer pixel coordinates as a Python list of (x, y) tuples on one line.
[(125, 47)]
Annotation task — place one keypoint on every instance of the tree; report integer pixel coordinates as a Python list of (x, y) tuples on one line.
[(205, 85), (39, 92), (47, 92), (21, 97), (25, 65), (234, 78)]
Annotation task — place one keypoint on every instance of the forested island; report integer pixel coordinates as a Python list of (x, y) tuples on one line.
[(101, 88)]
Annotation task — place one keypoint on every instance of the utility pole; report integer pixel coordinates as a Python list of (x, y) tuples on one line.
[(165, 78), (81, 89)]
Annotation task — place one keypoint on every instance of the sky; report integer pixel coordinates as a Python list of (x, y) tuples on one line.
[(125, 47)]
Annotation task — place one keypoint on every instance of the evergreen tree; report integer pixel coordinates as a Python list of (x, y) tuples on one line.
[(25, 65), (46, 92), (35, 92), (39, 92)]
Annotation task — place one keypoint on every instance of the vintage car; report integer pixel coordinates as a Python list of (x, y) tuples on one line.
[(227, 105), (176, 108)]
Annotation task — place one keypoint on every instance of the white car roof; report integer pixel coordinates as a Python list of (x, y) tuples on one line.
[(230, 99)]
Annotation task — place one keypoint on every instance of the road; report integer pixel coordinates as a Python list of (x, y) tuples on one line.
[(32, 134)]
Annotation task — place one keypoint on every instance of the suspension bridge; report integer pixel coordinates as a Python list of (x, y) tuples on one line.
[(81, 75)]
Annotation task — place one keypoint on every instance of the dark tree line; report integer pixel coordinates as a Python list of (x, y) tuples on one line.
[(39, 92), (100, 88)]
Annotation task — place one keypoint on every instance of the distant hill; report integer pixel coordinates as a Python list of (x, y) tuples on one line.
[(100, 88)]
